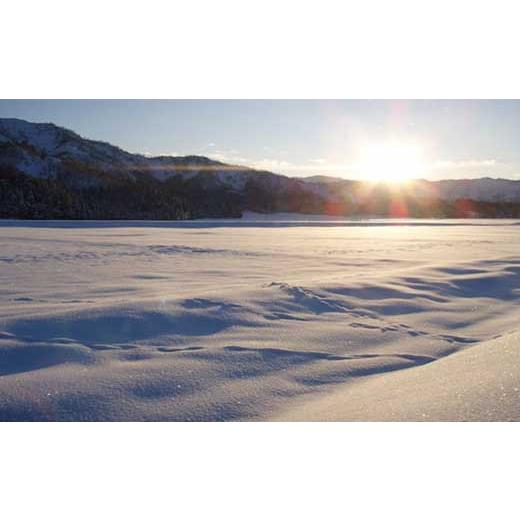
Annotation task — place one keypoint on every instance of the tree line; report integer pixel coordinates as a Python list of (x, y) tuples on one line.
[(145, 198)]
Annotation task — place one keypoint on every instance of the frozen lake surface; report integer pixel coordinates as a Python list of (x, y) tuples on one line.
[(254, 319)]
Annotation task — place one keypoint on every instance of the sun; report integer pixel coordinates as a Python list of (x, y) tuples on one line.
[(390, 162)]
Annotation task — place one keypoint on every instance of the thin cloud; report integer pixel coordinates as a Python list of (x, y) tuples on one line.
[(471, 163), (272, 164), (146, 153), (229, 156)]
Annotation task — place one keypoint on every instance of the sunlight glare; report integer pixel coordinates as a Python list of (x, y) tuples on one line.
[(390, 162)]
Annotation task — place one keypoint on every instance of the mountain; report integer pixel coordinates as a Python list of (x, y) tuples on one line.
[(484, 189), (47, 171), (39, 162), (44, 150)]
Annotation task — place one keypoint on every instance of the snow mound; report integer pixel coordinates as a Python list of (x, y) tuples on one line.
[(478, 384)]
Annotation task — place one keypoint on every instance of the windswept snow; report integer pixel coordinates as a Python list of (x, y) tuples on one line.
[(247, 320)]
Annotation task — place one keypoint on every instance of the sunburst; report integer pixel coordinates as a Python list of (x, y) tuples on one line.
[(390, 162)]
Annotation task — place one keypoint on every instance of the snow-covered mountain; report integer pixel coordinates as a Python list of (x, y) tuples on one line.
[(45, 151), (483, 189), (57, 160)]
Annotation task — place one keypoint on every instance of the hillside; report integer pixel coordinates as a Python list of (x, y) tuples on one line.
[(50, 172)]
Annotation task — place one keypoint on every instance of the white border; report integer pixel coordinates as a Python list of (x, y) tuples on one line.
[(261, 470), (268, 49)]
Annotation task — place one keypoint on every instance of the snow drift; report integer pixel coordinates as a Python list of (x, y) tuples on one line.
[(245, 320)]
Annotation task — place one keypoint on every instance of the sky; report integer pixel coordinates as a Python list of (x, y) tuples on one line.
[(345, 138)]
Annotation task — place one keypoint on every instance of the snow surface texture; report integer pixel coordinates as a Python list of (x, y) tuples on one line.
[(245, 320)]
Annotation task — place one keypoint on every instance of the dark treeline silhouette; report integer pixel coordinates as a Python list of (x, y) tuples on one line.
[(25, 197), (383, 202), (177, 198)]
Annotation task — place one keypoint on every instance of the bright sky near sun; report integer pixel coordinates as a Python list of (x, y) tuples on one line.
[(361, 139)]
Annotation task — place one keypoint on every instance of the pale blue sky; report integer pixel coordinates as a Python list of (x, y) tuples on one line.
[(455, 139)]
